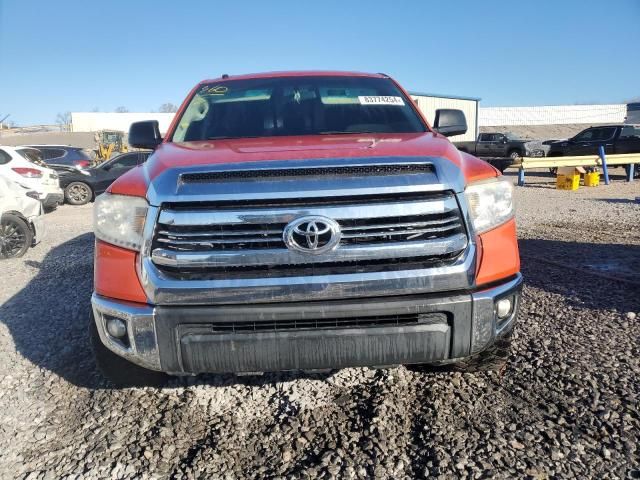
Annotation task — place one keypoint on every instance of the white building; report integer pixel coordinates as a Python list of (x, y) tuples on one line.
[(428, 103), (94, 121), (552, 115)]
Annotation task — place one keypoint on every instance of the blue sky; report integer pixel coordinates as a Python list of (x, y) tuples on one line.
[(58, 55)]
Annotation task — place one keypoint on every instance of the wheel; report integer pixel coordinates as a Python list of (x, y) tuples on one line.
[(78, 193), (118, 371), (636, 170), (501, 165), (553, 170), (15, 236), (515, 156)]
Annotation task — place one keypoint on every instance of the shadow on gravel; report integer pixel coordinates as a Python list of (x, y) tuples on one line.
[(598, 275), (257, 380), (48, 320), (623, 201)]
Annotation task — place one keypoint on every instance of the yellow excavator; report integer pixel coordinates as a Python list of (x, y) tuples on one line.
[(109, 142)]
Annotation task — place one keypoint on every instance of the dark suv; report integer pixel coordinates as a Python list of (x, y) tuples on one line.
[(614, 139), (65, 155)]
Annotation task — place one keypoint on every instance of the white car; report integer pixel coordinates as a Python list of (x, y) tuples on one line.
[(21, 219), (21, 165)]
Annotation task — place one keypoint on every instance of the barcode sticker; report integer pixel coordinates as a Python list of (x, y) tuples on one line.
[(380, 100)]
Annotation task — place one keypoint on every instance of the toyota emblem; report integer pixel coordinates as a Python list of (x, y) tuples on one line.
[(312, 234)]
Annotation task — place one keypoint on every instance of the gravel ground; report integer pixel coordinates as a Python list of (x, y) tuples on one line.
[(566, 405)]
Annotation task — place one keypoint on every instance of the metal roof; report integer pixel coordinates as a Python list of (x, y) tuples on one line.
[(439, 95)]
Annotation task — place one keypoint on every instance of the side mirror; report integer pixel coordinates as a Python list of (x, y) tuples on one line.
[(504, 140), (145, 134), (450, 122)]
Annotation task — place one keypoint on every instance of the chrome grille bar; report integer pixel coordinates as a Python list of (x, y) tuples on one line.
[(219, 233), (401, 224), (198, 217), (176, 241), (411, 232), (239, 258)]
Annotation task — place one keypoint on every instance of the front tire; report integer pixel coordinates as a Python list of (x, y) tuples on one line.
[(15, 236), (636, 170), (120, 372), (78, 193)]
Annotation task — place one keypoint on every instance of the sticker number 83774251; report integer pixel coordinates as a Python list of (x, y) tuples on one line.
[(380, 100)]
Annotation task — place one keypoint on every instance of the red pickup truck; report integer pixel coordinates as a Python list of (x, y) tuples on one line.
[(302, 221)]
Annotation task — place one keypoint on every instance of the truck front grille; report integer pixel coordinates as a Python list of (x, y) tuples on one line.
[(381, 234), (359, 231)]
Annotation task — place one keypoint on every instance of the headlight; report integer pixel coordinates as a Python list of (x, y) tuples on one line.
[(119, 219), (490, 203)]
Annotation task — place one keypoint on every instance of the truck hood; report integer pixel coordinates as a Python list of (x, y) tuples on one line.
[(171, 158), (187, 154)]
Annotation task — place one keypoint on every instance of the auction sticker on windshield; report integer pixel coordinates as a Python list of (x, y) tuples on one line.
[(380, 100)]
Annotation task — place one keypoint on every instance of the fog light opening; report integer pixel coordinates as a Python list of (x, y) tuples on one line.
[(504, 307), (116, 327)]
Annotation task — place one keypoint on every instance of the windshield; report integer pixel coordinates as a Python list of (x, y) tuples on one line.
[(296, 106), (512, 136)]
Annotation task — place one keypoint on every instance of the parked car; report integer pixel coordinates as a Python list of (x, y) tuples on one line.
[(65, 155), (21, 165), (615, 139), (500, 147), (21, 218), (302, 221), (81, 185)]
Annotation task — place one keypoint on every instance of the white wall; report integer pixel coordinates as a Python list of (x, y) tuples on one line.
[(551, 115), (94, 121), (428, 106)]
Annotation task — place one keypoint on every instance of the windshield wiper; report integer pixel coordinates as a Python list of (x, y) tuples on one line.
[(342, 132), (233, 138)]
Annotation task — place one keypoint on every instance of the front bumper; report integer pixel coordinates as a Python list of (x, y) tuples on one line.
[(39, 228), (408, 329)]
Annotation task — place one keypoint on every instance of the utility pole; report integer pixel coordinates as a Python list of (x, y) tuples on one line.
[(3, 119)]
